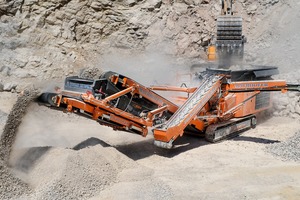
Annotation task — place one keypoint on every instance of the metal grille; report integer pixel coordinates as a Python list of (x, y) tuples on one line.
[(262, 100)]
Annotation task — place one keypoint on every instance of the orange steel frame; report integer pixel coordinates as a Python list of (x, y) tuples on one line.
[(237, 99), (102, 109)]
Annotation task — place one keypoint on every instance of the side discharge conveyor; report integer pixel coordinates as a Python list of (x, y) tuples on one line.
[(174, 127)]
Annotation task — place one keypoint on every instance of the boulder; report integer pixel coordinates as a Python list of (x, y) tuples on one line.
[(9, 86), (151, 5), (97, 6), (252, 9), (130, 2), (5, 70)]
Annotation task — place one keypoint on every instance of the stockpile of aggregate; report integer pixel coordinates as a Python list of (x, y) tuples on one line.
[(82, 174), (287, 150)]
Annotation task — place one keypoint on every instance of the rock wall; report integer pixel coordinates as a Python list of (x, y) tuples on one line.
[(42, 40), (288, 104)]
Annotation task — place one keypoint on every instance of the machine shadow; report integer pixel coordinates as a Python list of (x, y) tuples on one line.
[(90, 142), (143, 149), (135, 151), (30, 157), (254, 139), (146, 148)]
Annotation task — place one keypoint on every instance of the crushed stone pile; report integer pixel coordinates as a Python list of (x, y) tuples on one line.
[(78, 174), (287, 150), (90, 73), (11, 186)]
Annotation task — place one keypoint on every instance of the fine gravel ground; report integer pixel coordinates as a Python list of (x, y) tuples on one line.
[(86, 160), (287, 150)]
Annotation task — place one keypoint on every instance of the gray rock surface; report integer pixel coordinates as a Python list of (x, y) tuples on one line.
[(9, 86), (48, 39)]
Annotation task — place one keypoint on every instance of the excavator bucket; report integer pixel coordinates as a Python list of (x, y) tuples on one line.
[(230, 40)]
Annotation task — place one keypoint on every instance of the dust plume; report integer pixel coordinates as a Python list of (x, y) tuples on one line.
[(148, 68), (7, 140)]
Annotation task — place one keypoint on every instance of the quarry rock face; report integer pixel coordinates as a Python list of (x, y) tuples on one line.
[(48, 39)]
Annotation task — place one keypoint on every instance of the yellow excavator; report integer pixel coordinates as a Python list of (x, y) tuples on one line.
[(228, 46)]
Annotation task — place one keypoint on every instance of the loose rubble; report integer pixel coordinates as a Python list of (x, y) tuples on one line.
[(76, 174), (11, 187), (91, 73), (287, 150)]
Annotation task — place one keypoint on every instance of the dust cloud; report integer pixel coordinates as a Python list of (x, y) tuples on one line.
[(12, 186), (150, 68)]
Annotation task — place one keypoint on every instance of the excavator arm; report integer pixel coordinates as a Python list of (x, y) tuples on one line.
[(227, 7)]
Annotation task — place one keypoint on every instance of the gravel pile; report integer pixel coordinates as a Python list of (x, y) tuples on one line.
[(287, 150), (11, 186), (91, 73), (69, 174)]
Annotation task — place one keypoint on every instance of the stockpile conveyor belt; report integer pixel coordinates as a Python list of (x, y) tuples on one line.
[(187, 112)]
